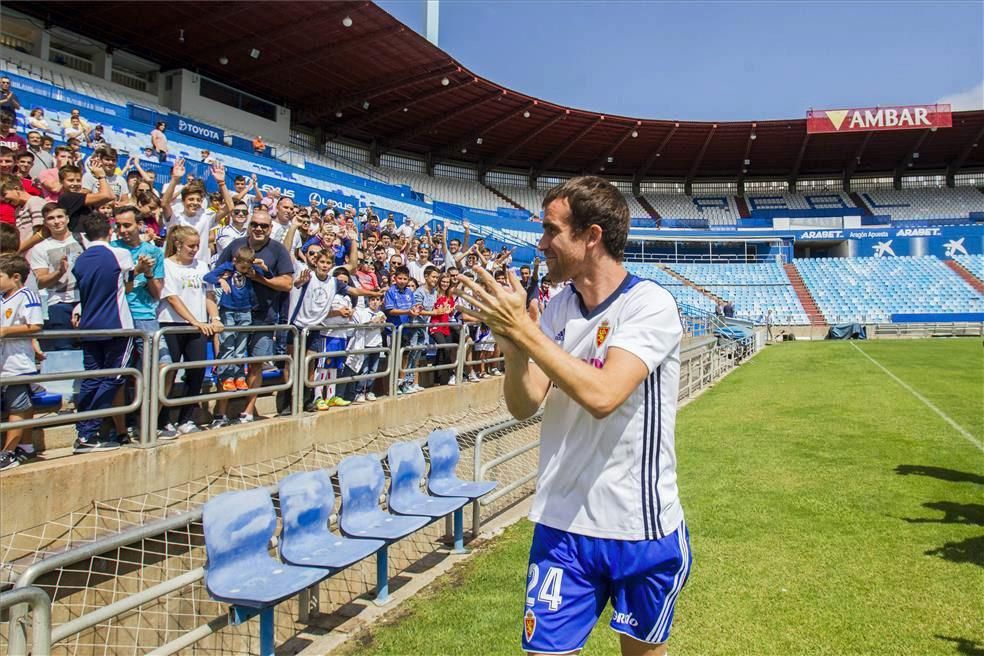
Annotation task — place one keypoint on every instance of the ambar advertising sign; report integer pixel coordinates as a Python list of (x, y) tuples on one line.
[(911, 117)]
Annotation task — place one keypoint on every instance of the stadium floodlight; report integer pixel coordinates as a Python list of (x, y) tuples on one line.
[(365, 104), (915, 155), (464, 150), (753, 136), (635, 133), (223, 60), (747, 162), (347, 21), (406, 109), (479, 141), (338, 114), (610, 159), (445, 81), (526, 114), (254, 53)]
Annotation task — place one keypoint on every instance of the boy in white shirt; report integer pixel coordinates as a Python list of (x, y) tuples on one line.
[(20, 317), (364, 364)]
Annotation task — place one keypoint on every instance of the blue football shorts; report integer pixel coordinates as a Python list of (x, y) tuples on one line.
[(571, 578)]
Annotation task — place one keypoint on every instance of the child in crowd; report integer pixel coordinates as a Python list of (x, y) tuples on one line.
[(235, 309), (365, 338), (336, 337), (20, 317)]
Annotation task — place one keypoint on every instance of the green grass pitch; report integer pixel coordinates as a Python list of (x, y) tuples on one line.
[(831, 512)]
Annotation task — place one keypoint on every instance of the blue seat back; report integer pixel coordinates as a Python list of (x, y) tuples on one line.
[(444, 453), (306, 502), (361, 481), (238, 527), (406, 463)]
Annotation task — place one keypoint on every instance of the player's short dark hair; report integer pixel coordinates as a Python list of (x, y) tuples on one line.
[(595, 201), (95, 226)]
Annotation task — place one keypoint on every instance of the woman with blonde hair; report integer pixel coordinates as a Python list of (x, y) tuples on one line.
[(186, 300)]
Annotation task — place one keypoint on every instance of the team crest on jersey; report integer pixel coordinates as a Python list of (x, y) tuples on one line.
[(602, 333), (529, 624)]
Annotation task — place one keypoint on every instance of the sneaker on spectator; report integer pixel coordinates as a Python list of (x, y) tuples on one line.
[(169, 432), (132, 435), (400, 390), (90, 444), (483, 375), (472, 377), (321, 404), (414, 387), (359, 398), (23, 455), (494, 372), (338, 402), (241, 384), (452, 381), (370, 396), (188, 427), (228, 385), (8, 460), (219, 421), (245, 418)]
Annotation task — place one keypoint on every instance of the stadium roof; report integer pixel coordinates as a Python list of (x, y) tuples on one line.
[(380, 82)]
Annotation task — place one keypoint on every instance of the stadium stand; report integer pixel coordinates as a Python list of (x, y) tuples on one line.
[(451, 190), (872, 289), (719, 210), (753, 288), (925, 204), (684, 295), (973, 263)]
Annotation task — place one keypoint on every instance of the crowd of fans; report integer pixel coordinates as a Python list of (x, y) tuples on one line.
[(87, 244)]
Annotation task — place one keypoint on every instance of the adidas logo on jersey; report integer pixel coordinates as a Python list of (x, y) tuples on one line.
[(624, 618)]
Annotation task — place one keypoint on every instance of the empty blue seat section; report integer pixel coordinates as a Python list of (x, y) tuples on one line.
[(872, 289), (306, 503), (753, 288), (361, 481), (443, 480), (238, 527), (684, 295), (973, 263), (407, 465)]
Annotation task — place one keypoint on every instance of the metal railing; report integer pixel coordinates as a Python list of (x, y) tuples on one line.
[(36, 602), (311, 356), (140, 376), (159, 392), (968, 329), (399, 371)]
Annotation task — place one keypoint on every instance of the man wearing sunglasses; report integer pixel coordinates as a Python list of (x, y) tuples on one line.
[(271, 293)]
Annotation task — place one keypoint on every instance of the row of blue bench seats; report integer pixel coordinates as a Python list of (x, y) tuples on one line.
[(239, 526)]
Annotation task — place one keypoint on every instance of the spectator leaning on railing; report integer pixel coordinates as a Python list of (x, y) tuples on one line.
[(105, 275), (270, 294), (20, 317), (186, 300)]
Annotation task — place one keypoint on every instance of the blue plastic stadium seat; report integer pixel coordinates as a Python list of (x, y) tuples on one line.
[(306, 502), (361, 480), (238, 527), (46, 399), (407, 465), (444, 455)]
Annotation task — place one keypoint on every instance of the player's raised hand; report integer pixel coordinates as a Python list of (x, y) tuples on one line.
[(501, 308)]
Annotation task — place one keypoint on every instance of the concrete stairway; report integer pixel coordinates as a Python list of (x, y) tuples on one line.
[(804, 295), (506, 198), (690, 283), (646, 205), (967, 276)]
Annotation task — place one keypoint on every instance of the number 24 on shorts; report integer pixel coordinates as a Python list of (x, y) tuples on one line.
[(550, 589)]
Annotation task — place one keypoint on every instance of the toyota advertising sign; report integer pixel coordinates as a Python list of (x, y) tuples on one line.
[(865, 119)]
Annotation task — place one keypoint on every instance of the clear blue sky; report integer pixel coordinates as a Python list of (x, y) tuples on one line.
[(718, 60)]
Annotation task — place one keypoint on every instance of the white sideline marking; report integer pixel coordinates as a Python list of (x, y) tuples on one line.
[(960, 429)]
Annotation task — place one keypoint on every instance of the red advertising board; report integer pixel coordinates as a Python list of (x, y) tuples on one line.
[(864, 119)]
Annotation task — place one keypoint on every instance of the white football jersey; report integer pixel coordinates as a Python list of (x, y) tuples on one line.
[(614, 477)]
